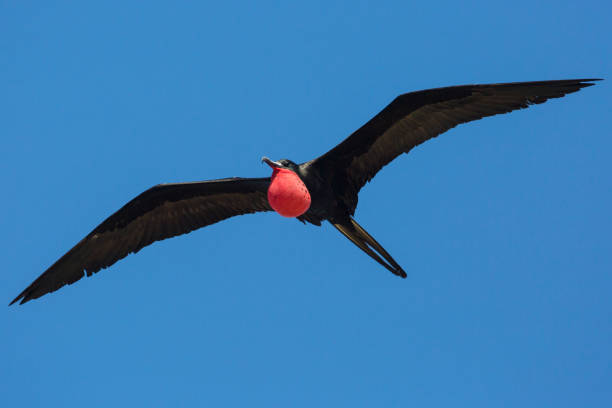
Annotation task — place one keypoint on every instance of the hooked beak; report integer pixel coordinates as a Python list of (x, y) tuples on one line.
[(271, 163)]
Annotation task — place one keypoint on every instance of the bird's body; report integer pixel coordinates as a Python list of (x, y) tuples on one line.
[(323, 189)]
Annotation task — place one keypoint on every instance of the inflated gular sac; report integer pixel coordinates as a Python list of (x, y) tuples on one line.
[(287, 194)]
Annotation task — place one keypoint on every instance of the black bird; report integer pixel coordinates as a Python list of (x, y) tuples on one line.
[(325, 188)]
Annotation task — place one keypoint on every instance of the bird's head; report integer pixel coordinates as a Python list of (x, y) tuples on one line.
[(281, 164)]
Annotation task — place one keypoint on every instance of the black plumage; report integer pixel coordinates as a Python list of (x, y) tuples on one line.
[(333, 180)]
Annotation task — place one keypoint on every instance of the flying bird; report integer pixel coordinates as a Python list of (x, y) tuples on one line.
[(323, 189)]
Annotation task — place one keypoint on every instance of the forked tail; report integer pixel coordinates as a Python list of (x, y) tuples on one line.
[(368, 244)]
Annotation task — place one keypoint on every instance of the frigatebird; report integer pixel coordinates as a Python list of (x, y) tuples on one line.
[(325, 188)]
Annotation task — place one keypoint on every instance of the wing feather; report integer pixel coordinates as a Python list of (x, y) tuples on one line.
[(161, 212), (416, 117)]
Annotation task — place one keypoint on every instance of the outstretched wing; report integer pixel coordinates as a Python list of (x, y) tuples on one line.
[(415, 117), (161, 212)]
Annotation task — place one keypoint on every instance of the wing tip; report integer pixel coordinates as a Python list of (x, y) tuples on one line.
[(16, 299), (25, 296), (583, 83)]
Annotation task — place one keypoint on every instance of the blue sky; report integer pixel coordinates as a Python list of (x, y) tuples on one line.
[(503, 225)]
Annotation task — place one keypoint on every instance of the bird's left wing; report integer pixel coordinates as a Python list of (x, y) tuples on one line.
[(161, 212), (416, 117)]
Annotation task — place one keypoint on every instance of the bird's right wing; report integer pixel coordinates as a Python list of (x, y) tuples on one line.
[(161, 212)]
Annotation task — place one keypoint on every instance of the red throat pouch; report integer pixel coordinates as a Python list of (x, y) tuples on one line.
[(288, 194)]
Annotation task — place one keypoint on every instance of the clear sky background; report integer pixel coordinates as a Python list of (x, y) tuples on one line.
[(503, 225)]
